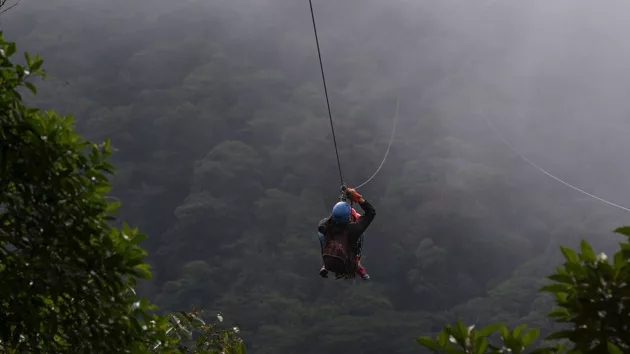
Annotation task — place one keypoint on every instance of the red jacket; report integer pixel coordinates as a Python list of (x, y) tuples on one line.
[(355, 216)]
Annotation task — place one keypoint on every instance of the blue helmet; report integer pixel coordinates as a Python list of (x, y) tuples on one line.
[(341, 213)]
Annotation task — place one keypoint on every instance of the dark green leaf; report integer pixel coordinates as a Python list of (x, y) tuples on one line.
[(31, 87), (559, 312), (619, 260), (462, 331), (587, 253), (11, 47), (517, 331), (481, 345), (486, 331), (443, 338), (569, 254), (613, 349), (36, 65), (427, 342), (554, 288), (138, 238), (562, 278), (504, 332), (530, 337), (560, 335), (576, 270), (624, 230)]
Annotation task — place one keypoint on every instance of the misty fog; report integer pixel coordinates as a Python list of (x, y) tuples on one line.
[(172, 81)]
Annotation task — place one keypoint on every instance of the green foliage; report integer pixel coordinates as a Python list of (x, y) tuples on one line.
[(591, 295), (224, 156), (67, 277), (467, 340), (196, 335)]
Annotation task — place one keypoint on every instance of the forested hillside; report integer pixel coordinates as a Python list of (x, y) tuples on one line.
[(225, 159)]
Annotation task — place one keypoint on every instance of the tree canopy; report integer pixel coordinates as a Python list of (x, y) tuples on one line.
[(218, 129), (67, 276), (591, 311)]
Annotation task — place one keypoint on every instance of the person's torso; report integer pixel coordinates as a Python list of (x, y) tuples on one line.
[(352, 229)]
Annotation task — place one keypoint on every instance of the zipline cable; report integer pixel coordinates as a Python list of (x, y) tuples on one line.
[(321, 66), (486, 7), (391, 139), (547, 173)]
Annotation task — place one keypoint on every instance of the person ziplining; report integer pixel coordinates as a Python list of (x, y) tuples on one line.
[(345, 226), (337, 250), (342, 233)]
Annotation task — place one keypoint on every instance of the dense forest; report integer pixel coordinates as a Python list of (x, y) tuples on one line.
[(225, 158)]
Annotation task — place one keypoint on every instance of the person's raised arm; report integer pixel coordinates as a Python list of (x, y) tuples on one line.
[(321, 227), (366, 219)]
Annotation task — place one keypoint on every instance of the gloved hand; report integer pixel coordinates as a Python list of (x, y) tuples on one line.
[(353, 195)]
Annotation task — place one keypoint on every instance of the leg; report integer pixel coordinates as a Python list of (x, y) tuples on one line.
[(360, 245), (323, 272), (361, 270), (321, 238)]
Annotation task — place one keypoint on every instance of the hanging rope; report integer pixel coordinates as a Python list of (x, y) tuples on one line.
[(321, 66), (391, 139), (547, 173)]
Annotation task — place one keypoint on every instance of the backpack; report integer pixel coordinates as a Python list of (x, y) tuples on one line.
[(337, 253)]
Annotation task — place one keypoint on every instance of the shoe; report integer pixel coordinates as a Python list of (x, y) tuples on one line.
[(363, 273), (323, 272)]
